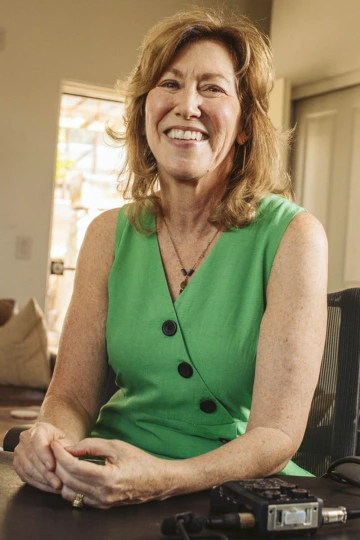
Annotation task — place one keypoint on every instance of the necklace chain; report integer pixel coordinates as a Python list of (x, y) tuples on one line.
[(188, 273)]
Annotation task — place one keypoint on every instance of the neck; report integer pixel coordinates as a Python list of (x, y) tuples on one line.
[(188, 205)]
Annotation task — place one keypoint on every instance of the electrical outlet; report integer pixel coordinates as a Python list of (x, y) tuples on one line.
[(57, 268), (23, 247)]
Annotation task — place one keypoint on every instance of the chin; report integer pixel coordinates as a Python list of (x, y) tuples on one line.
[(189, 174), (188, 178)]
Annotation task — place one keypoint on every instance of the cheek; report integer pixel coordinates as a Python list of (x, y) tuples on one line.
[(232, 122), (148, 114), (156, 108), (225, 119)]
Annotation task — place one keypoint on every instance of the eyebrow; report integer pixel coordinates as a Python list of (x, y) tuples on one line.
[(204, 76)]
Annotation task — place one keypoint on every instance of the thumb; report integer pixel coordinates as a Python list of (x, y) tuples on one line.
[(48, 430), (66, 442), (59, 434)]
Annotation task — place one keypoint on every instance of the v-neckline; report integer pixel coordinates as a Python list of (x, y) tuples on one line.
[(199, 270)]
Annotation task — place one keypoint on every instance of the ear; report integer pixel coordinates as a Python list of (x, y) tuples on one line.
[(241, 138)]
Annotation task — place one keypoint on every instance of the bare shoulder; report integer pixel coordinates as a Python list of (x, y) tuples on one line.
[(301, 261), (104, 224), (97, 251), (101, 231), (304, 232)]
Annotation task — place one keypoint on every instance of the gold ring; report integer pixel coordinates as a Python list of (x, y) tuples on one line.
[(78, 502)]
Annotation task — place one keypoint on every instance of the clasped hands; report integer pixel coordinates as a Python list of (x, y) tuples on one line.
[(48, 460)]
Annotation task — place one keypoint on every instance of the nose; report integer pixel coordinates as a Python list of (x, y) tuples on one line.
[(188, 103)]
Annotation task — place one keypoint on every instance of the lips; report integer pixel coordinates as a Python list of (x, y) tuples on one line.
[(186, 135)]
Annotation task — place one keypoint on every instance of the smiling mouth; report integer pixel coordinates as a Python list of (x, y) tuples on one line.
[(186, 135)]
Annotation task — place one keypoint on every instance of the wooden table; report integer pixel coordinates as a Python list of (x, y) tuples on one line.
[(29, 514)]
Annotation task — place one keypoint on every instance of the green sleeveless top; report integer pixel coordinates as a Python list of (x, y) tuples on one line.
[(185, 369)]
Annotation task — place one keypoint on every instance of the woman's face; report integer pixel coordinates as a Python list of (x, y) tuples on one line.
[(192, 116)]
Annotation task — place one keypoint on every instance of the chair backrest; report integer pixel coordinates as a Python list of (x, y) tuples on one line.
[(332, 430)]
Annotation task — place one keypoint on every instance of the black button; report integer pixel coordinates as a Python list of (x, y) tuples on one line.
[(169, 328), (224, 441), (185, 370), (208, 406)]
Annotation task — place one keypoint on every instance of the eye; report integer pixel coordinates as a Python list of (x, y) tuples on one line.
[(213, 89), (172, 85)]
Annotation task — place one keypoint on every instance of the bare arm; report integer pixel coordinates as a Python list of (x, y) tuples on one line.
[(72, 402), (73, 398), (290, 348)]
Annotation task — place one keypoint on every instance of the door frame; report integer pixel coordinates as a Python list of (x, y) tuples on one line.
[(81, 89), (345, 81), (339, 82)]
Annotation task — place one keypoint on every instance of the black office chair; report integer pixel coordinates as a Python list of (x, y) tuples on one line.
[(332, 430)]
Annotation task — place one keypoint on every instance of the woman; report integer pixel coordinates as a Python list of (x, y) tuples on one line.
[(207, 294)]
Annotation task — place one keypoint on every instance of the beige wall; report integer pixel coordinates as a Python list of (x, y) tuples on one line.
[(318, 41), (315, 39), (48, 41)]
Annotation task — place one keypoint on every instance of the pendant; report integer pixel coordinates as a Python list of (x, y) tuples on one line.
[(187, 272), (183, 285)]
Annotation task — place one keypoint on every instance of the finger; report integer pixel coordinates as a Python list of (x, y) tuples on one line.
[(82, 477), (65, 441), (48, 476), (94, 447), (40, 439), (33, 478), (68, 465), (29, 462), (23, 463), (70, 494), (84, 483)]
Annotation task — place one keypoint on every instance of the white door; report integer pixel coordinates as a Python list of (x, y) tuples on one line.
[(326, 171)]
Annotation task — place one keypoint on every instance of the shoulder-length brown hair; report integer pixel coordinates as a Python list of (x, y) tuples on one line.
[(258, 165)]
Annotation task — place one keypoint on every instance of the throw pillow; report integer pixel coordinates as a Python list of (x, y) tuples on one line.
[(24, 360)]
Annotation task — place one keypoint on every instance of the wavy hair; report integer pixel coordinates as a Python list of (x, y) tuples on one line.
[(258, 168)]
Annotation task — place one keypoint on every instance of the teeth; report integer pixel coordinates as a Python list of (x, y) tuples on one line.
[(186, 135)]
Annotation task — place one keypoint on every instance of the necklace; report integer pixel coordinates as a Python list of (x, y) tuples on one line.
[(188, 273)]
